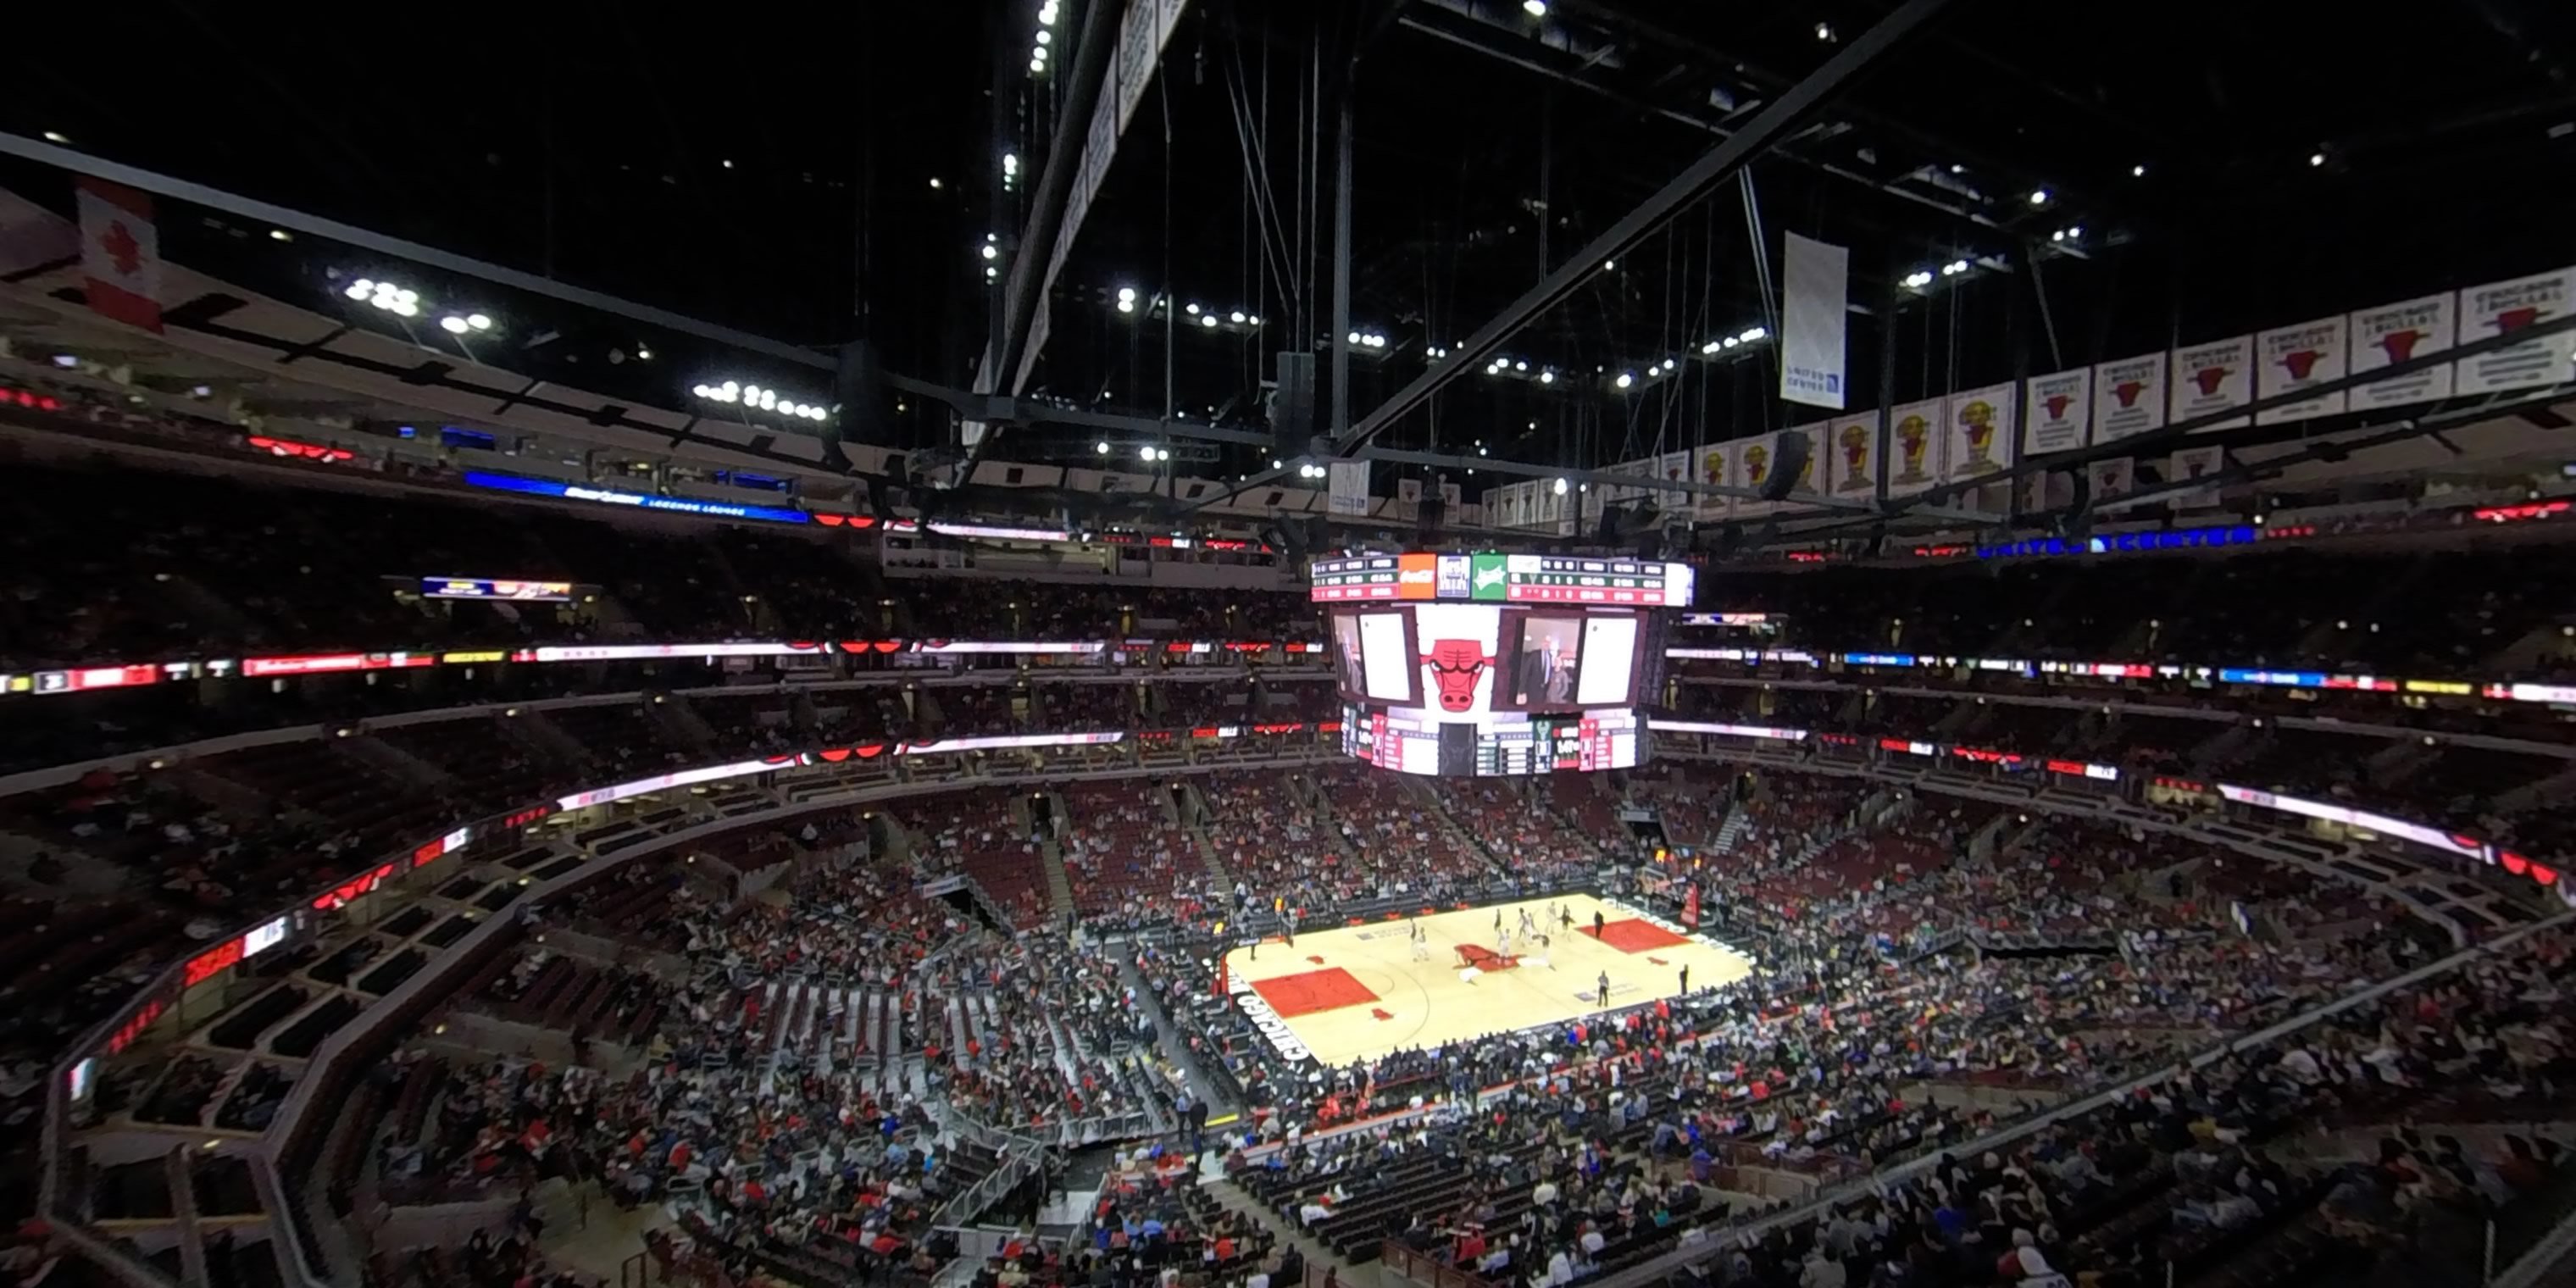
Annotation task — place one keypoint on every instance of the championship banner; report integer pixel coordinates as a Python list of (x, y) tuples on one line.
[(2211, 378), (2057, 412), (1815, 295), (2113, 479), (2504, 308), (2196, 463), (1409, 493), (2297, 357), (1720, 465), (1812, 476), (2128, 397), (1855, 448), (2393, 333), (1348, 487), (1980, 430), (1916, 444), (1453, 495)]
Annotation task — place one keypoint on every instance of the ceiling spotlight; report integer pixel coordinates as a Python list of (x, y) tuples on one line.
[(1624, 380), (2039, 196), (1918, 279), (1046, 37), (1560, 485), (1254, 320), (357, 290), (991, 251), (1954, 268), (1730, 342), (1126, 306), (453, 325), (1608, 264), (641, 354), (934, 183), (1235, 317), (1037, 65), (1191, 309), (1353, 337), (1547, 377), (405, 308), (52, 137), (1754, 333), (2316, 159), (1126, 295), (280, 234), (1708, 348), (1101, 447), (483, 322), (1534, 8), (702, 391), (1207, 320), (2137, 172), (1824, 31), (1520, 366), (2075, 232)]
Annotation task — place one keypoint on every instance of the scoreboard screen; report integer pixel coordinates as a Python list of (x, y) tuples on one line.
[(1503, 745), (1502, 579)]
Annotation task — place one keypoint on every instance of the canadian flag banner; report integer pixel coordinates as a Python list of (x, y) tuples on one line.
[(1981, 430), (1915, 446), (2503, 308), (2057, 412), (2193, 463), (2128, 397), (120, 254), (2299, 357), (2394, 333), (2211, 378)]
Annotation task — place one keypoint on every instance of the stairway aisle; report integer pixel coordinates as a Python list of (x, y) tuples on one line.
[(1238, 1199)]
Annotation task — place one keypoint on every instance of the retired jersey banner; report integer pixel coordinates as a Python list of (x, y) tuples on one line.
[(1916, 442), (2212, 378), (2057, 412), (2394, 333), (2128, 397), (2299, 357), (2191, 463), (1855, 448), (1348, 484), (2503, 308), (1815, 295), (1981, 431)]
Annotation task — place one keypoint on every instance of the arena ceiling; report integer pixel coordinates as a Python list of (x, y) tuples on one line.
[(806, 174)]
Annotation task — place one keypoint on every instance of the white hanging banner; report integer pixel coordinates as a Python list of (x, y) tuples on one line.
[(1453, 495), (1409, 491), (2394, 333), (1677, 469), (2299, 357), (2502, 308), (1720, 465), (1855, 449), (2057, 413), (2128, 397), (2190, 463), (1812, 475), (1348, 488), (2113, 479), (1916, 443), (2211, 378), (1981, 430), (1815, 294)]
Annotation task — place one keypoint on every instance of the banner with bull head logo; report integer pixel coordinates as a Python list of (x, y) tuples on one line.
[(2502, 308), (2212, 378), (2129, 396), (2057, 412), (2299, 357), (2393, 333)]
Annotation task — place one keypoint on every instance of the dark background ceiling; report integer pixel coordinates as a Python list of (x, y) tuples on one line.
[(771, 168)]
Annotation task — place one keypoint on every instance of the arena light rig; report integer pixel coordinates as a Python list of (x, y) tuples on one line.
[(755, 398)]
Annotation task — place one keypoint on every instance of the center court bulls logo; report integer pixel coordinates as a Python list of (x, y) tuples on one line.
[(1455, 667)]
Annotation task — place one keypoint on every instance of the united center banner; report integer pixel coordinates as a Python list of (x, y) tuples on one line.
[(1815, 293)]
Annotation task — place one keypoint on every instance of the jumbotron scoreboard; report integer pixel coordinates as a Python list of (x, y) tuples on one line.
[(1483, 664)]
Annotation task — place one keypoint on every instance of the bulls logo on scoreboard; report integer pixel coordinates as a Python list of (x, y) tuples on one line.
[(1456, 665)]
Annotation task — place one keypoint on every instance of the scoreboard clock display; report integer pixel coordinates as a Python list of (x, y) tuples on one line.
[(1502, 579)]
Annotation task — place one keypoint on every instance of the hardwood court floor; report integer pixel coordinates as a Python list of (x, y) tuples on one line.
[(1355, 992)]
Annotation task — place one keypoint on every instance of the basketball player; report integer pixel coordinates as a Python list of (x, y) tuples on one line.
[(1527, 929), (1502, 945), (1605, 990), (1542, 952), (1421, 943)]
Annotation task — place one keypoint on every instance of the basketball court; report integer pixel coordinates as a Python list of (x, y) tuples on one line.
[(1356, 992)]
